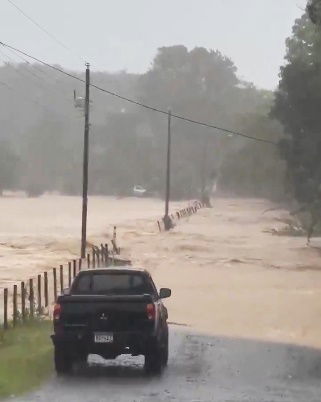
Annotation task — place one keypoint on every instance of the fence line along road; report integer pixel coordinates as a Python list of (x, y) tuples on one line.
[(180, 214), (33, 298)]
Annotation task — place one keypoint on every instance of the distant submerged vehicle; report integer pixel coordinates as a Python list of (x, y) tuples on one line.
[(139, 191)]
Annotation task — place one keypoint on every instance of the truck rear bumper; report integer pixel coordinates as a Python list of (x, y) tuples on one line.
[(79, 344)]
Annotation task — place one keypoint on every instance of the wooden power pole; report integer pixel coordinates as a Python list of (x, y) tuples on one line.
[(85, 168), (167, 220)]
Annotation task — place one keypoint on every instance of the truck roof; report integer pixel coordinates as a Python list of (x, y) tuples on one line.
[(121, 269)]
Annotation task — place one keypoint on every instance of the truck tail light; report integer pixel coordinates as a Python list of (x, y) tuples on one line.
[(151, 311), (57, 311)]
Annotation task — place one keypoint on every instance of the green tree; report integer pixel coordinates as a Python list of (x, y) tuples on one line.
[(314, 11), (203, 84), (297, 106), (128, 143)]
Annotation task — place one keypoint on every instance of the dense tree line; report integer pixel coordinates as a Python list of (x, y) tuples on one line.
[(297, 105), (41, 131)]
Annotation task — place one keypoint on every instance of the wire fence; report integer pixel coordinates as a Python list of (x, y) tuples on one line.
[(35, 297), (180, 214)]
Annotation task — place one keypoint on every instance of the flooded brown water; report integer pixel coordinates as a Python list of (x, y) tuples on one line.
[(39, 233), (232, 278), (245, 304), (229, 276)]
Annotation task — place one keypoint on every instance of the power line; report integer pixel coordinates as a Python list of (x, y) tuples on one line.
[(25, 98), (34, 66), (52, 36), (42, 78), (22, 73), (14, 62), (137, 103)]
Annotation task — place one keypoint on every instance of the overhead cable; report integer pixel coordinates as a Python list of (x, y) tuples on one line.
[(52, 36), (143, 105)]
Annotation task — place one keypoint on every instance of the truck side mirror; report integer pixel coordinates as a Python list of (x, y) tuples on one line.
[(164, 293)]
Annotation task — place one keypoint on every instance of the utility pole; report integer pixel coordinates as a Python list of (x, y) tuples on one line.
[(85, 168), (167, 220), (203, 166), (205, 196)]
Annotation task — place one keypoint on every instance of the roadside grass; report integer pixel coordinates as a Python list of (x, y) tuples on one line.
[(25, 357)]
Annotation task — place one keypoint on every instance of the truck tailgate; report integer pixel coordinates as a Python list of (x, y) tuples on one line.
[(104, 313)]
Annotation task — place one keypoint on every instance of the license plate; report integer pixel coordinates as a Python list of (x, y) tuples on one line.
[(104, 338)]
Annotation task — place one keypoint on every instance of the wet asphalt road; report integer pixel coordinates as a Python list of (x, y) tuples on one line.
[(200, 368)]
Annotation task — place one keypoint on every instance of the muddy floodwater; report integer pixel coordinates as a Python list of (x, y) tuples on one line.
[(229, 275), (246, 304), (39, 233)]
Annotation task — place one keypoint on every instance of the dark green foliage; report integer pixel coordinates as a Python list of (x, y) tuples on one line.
[(314, 11), (127, 143), (298, 105)]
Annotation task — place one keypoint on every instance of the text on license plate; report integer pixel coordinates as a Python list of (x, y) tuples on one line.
[(103, 338)]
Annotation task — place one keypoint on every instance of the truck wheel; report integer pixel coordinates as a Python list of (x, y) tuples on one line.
[(165, 352), (153, 361), (63, 362), (81, 363)]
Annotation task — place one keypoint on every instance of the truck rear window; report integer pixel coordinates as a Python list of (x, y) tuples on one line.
[(112, 284)]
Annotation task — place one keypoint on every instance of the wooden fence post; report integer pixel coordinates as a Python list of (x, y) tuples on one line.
[(88, 261), (69, 274), (5, 307), (54, 272), (94, 258), (74, 268), (98, 257), (61, 274), (107, 254), (31, 298), (102, 253), (101, 250), (114, 242), (79, 264), (23, 301), (46, 293), (15, 307), (39, 294)]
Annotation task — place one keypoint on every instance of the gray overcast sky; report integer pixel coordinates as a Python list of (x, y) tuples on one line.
[(125, 34)]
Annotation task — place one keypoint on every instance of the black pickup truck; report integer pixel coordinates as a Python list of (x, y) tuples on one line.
[(109, 312)]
